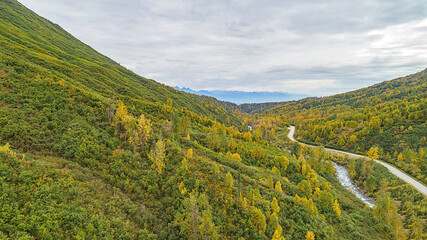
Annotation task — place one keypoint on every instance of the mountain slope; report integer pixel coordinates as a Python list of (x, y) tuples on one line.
[(240, 97), (39, 49), (386, 121), (390, 115), (90, 150)]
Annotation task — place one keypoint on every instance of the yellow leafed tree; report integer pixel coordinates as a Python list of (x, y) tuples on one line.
[(275, 205), (157, 156), (233, 156), (189, 154), (309, 236), (182, 188), (336, 208), (278, 186), (258, 219), (184, 166), (282, 162), (373, 153), (229, 182), (278, 234), (120, 119), (144, 130), (232, 145), (247, 136)]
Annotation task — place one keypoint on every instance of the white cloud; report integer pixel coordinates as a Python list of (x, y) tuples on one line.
[(403, 41)]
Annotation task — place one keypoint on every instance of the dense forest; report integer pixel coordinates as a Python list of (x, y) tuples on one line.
[(90, 150)]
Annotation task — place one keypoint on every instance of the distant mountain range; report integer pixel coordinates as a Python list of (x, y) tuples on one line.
[(240, 97)]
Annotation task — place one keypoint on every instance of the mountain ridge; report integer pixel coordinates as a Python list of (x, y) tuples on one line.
[(242, 97)]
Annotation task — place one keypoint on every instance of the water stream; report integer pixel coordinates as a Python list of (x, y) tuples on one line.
[(345, 180)]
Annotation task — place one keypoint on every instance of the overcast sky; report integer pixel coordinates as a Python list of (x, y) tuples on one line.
[(311, 47)]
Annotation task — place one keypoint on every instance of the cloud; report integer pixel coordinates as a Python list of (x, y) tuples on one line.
[(310, 47)]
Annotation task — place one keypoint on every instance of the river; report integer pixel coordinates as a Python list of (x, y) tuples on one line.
[(398, 173), (345, 180)]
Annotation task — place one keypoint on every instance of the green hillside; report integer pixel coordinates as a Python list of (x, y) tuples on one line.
[(39, 49), (390, 116), (386, 121), (90, 150)]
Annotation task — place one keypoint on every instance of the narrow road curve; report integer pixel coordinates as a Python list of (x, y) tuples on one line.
[(417, 185)]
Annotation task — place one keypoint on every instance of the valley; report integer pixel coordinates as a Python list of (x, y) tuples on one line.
[(91, 150)]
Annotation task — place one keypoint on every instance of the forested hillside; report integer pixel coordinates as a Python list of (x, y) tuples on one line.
[(90, 150), (386, 121), (390, 117), (35, 48)]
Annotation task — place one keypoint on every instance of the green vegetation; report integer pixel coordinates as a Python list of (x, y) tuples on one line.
[(390, 116), (386, 121), (393, 197), (89, 150)]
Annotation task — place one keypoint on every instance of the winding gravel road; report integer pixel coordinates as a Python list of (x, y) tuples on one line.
[(417, 185)]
